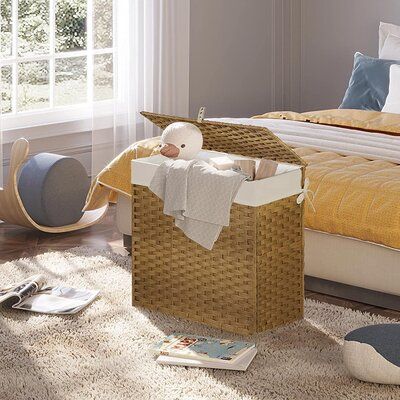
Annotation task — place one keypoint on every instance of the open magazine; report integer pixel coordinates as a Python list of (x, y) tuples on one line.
[(32, 294)]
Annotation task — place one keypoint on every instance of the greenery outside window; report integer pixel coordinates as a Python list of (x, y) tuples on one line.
[(56, 58)]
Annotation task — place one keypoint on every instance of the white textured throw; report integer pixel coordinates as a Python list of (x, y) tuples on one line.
[(198, 196)]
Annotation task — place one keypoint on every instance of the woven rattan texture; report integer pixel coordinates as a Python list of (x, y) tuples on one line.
[(245, 140), (176, 275), (280, 274), (250, 281)]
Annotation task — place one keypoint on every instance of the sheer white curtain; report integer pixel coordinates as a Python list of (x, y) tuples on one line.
[(150, 72)]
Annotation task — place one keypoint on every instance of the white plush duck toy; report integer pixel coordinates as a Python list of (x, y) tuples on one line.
[(181, 140)]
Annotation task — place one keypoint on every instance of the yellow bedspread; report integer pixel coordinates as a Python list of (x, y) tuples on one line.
[(354, 197), (116, 177), (373, 121)]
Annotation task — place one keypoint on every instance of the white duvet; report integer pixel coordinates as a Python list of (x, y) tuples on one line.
[(371, 145)]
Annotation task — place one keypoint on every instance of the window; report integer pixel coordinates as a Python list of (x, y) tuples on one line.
[(55, 55)]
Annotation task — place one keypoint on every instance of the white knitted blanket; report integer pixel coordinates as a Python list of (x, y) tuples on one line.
[(198, 196)]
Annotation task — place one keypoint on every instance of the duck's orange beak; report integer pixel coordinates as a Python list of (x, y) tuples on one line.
[(169, 150)]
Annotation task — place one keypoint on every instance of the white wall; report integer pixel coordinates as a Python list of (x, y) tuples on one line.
[(230, 63), (238, 56), (331, 32), (253, 56)]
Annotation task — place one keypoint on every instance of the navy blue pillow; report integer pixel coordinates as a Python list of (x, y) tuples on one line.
[(369, 83)]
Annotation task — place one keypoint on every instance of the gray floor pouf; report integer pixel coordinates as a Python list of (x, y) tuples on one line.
[(372, 353), (53, 189)]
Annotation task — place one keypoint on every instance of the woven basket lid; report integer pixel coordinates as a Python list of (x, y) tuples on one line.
[(244, 140)]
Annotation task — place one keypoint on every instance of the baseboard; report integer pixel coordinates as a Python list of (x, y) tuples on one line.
[(354, 293)]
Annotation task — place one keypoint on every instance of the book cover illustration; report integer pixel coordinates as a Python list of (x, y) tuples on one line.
[(204, 348)]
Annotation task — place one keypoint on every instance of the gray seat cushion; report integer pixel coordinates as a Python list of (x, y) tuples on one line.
[(384, 338), (372, 353), (53, 189)]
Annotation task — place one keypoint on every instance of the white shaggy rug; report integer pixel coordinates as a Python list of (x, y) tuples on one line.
[(102, 353)]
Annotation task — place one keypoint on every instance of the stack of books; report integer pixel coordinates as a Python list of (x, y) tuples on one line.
[(205, 352)]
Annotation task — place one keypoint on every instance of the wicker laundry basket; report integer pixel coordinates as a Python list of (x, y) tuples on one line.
[(253, 279)]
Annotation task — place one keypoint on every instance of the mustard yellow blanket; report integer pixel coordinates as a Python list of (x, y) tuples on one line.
[(354, 196)]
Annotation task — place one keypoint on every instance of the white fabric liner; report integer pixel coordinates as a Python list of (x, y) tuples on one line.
[(350, 142), (285, 183)]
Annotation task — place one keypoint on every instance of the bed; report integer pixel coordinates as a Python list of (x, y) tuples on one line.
[(352, 241)]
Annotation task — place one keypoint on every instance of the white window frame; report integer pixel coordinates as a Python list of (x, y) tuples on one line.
[(52, 120)]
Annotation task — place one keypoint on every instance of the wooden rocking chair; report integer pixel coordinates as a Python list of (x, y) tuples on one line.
[(12, 209)]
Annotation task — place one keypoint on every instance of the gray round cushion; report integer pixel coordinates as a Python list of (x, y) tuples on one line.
[(53, 189), (372, 353)]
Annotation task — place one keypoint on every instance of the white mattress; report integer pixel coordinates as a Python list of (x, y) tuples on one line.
[(371, 145)]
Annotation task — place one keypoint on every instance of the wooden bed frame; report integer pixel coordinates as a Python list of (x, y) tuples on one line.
[(354, 293)]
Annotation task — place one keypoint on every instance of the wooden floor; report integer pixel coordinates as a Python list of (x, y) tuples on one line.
[(16, 242)]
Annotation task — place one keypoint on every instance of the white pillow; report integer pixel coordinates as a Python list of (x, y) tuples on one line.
[(385, 30), (392, 104), (391, 48)]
